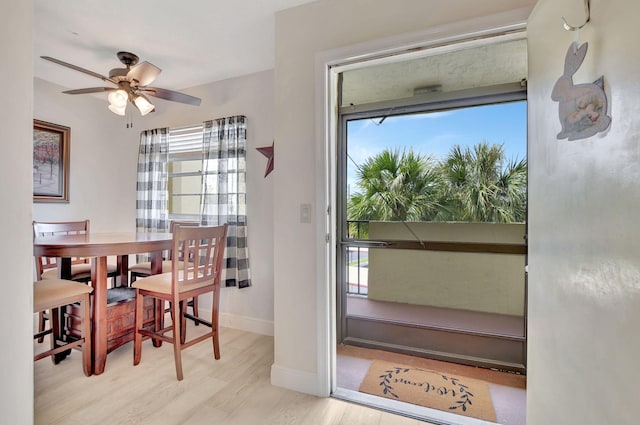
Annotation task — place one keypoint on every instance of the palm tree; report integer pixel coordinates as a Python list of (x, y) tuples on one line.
[(483, 186), (477, 185), (397, 186)]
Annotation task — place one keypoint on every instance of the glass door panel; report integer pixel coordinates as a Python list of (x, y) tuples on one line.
[(433, 230)]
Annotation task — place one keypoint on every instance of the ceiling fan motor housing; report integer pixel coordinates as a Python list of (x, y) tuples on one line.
[(118, 74), (129, 59)]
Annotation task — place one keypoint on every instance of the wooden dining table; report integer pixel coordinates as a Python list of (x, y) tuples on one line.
[(99, 246)]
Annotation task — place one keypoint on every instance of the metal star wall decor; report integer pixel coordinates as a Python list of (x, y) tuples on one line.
[(268, 152)]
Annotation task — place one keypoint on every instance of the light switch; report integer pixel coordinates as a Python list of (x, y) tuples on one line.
[(305, 213)]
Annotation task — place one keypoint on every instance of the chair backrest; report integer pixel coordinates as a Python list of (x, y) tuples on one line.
[(41, 228), (199, 255), (174, 223)]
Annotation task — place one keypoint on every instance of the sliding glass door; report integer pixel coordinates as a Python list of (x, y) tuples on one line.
[(432, 222)]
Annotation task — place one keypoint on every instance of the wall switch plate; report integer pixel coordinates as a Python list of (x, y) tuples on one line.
[(305, 213)]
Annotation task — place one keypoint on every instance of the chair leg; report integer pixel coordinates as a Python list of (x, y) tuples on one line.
[(158, 307), (137, 336), (56, 333), (42, 321), (214, 331), (86, 336), (183, 322), (177, 344), (195, 309)]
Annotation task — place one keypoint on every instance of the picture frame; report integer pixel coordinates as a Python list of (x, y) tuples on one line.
[(50, 162)]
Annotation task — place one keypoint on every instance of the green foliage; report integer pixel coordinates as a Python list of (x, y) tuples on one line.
[(396, 186), (475, 185)]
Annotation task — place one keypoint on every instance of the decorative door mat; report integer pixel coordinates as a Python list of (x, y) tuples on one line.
[(428, 388)]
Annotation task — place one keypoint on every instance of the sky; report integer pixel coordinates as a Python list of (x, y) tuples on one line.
[(436, 133)]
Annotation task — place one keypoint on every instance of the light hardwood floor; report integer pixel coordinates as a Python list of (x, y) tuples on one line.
[(234, 390)]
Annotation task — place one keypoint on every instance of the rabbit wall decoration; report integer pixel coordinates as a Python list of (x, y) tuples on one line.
[(582, 107)]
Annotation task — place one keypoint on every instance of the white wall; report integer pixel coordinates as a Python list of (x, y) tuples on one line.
[(16, 250), (303, 34), (584, 269), (104, 155), (102, 167)]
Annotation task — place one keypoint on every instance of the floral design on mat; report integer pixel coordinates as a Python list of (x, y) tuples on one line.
[(457, 391)]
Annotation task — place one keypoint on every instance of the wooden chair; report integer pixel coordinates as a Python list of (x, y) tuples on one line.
[(46, 267), (196, 266), (144, 269), (54, 295)]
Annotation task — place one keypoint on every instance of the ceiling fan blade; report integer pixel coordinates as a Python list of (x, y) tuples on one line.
[(144, 73), (77, 68), (171, 95), (89, 90)]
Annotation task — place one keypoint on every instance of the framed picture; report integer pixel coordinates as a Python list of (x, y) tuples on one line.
[(50, 162)]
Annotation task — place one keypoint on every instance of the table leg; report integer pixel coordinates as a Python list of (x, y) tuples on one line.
[(57, 316), (64, 267), (99, 314), (123, 268)]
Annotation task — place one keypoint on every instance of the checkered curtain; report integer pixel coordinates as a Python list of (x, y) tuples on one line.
[(224, 192), (152, 188)]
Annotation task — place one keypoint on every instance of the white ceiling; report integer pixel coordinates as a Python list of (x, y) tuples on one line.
[(196, 42), (193, 41)]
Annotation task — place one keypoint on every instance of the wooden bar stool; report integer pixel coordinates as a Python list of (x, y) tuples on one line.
[(197, 263), (54, 294), (144, 270), (46, 268)]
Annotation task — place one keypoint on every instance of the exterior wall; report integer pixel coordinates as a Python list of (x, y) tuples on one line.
[(16, 250), (304, 35), (491, 283), (584, 238)]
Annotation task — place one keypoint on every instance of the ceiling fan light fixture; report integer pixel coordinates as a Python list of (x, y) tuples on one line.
[(118, 110), (143, 105), (118, 98)]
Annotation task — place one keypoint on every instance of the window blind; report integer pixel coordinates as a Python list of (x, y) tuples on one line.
[(185, 139)]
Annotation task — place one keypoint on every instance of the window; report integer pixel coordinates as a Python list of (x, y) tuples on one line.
[(185, 173), (197, 173)]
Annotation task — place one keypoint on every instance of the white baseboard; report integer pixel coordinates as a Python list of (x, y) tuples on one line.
[(243, 323), (296, 380)]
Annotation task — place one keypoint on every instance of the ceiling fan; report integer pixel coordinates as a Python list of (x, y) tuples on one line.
[(131, 85)]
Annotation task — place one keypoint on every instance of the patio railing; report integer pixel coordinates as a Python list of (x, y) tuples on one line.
[(357, 259)]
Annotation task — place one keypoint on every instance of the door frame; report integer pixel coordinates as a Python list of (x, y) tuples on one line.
[(329, 65)]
